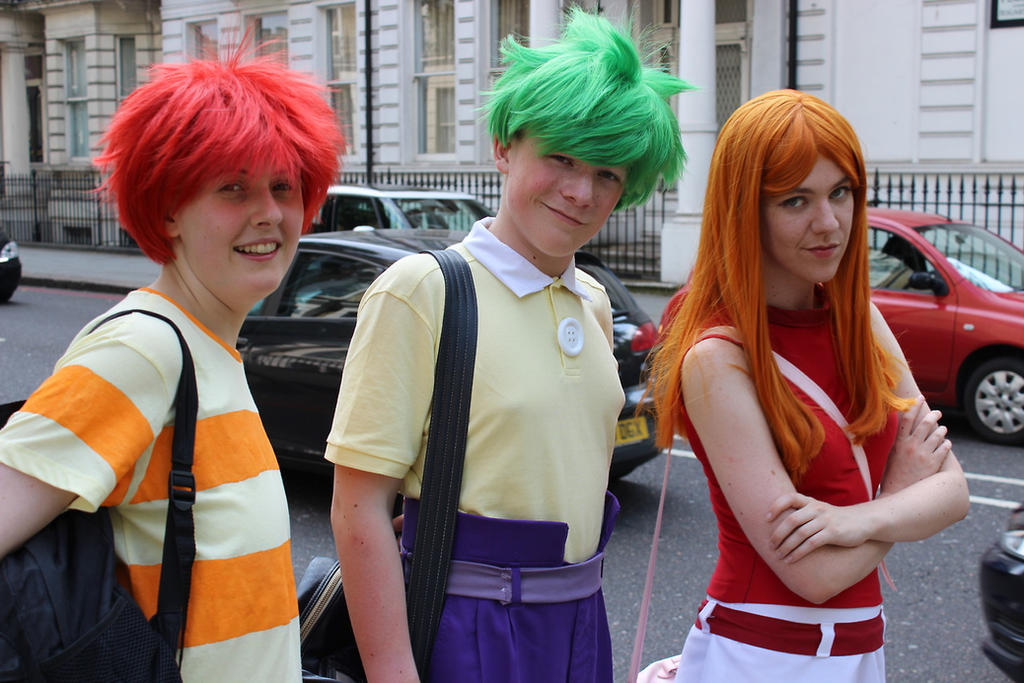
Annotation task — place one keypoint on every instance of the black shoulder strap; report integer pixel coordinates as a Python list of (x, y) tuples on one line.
[(446, 449), (179, 534)]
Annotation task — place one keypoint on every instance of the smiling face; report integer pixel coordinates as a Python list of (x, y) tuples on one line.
[(234, 241), (552, 204), (804, 233)]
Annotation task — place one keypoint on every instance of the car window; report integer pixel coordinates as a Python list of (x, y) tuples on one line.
[(441, 214), (325, 286), (392, 215), (892, 260), (981, 257), (350, 212)]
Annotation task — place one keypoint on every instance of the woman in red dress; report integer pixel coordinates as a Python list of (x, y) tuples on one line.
[(819, 451)]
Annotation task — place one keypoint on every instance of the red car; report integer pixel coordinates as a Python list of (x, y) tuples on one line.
[(953, 294)]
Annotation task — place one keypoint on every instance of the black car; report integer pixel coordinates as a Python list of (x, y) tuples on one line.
[(1002, 598), (293, 343), (10, 266)]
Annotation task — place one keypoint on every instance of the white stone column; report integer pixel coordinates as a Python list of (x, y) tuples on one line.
[(545, 21), (14, 109), (680, 234)]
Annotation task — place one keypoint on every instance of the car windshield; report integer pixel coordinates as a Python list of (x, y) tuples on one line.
[(983, 258), (442, 214)]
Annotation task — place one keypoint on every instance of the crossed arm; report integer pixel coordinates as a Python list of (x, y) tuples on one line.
[(817, 549)]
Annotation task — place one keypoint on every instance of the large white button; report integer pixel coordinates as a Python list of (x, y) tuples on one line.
[(570, 336)]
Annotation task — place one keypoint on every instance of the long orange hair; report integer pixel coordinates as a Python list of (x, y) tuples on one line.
[(767, 147)]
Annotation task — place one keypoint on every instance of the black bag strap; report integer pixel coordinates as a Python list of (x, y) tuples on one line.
[(180, 534), (446, 450)]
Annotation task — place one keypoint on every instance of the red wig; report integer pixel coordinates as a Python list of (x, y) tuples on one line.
[(193, 123), (766, 148)]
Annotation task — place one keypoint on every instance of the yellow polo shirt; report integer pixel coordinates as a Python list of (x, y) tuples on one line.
[(542, 422)]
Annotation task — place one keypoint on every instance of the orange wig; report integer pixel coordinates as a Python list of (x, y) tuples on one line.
[(192, 124), (766, 148)]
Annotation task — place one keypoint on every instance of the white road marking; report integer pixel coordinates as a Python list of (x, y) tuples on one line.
[(995, 478), (978, 500), (995, 502)]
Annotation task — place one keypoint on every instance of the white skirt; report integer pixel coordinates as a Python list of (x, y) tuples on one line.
[(709, 658)]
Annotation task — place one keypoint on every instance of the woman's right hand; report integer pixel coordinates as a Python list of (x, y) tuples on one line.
[(920, 449)]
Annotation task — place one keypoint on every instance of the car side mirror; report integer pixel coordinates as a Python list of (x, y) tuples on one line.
[(932, 281)]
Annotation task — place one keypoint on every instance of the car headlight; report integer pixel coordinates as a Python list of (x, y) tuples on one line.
[(1012, 540), (9, 251)]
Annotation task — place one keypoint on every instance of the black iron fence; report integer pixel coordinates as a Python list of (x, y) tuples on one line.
[(63, 208), (994, 201), (59, 207)]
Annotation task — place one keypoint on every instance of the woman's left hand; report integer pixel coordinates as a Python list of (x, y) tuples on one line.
[(811, 524), (920, 449)]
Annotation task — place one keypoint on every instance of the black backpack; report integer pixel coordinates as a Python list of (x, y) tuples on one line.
[(63, 615)]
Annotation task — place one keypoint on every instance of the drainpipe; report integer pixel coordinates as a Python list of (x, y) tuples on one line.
[(368, 105), (791, 44)]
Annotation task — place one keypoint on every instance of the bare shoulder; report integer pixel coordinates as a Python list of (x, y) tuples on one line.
[(880, 328), (718, 350)]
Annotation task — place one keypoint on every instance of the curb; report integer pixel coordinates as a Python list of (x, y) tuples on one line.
[(55, 283)]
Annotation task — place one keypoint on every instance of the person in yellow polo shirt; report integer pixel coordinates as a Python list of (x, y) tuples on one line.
[(216, 167), (580, 127)]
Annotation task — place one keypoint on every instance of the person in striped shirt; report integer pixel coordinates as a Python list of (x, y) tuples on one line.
[(216, 167)]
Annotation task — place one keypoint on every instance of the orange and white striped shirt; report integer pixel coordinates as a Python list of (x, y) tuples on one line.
[(100, 426)]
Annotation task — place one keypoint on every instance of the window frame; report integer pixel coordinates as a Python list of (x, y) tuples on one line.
[(127, 74), (279, 49), (76, 89), (338, 80), (428, 82), (197, 40)]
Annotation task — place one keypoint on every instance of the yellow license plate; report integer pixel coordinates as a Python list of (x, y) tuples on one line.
[(631, 430)]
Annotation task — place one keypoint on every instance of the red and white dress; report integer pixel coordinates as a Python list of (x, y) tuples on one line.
[(752, 625)]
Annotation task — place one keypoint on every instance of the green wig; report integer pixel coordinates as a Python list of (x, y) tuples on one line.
[(590, 96)]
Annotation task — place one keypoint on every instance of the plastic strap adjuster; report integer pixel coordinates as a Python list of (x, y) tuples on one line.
[(183, 489)]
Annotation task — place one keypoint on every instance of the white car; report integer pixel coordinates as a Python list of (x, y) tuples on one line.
[(361, 207)]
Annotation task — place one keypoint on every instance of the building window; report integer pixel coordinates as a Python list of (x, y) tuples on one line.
[(728, 81), (34, 94), (511, 17), (270, 33), (201, 39), (435, 75), (126, 74), (341, 67), (78, 114), (729, 11)]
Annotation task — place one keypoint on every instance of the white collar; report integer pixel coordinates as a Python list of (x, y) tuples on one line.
[(511, 267)]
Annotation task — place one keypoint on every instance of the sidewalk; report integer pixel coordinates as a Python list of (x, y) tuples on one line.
[(89, 269)]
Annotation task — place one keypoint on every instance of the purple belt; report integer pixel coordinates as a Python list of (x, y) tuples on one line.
[(515, 561), (510, 585)]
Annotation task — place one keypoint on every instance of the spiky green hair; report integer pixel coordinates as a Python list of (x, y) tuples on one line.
[(589, 95)]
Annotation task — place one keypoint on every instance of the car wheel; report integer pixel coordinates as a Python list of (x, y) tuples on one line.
[(994, 400)]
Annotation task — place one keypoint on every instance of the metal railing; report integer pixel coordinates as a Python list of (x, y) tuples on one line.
[(63, 208), (994, 201)]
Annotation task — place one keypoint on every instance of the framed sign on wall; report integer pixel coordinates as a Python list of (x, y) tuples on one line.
[(1007, 13)]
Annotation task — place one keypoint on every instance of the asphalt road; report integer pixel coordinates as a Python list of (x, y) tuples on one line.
[(934, 618)]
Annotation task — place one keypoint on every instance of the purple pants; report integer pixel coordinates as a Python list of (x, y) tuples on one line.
[(487, 640)]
